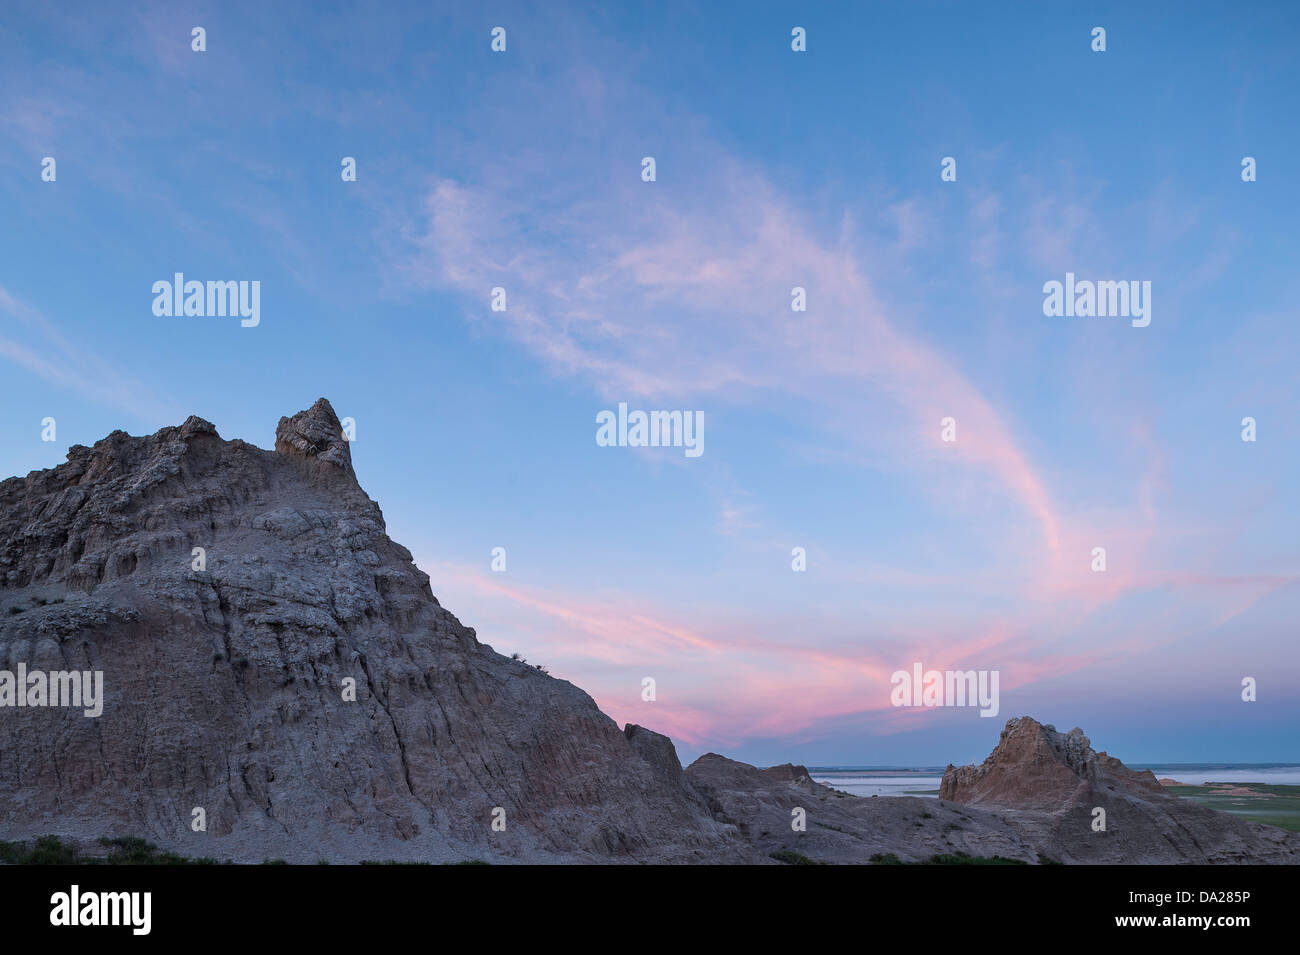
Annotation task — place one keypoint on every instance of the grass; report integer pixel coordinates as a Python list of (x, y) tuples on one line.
[(1272, 805), (392, 862), (47, 850), (946, 858), (790, 857), (399, 862), (129, 850)]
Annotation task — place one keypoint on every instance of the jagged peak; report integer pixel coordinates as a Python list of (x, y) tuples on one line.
[(314, 433), (1036, 765), (196, 425)]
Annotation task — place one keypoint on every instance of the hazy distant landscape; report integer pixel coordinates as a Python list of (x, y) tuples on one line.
[(1260, 802), (1266, 792), (536, 434)]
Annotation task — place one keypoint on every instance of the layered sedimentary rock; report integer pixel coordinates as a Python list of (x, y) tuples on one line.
[(225, 685), (1085, 806), (838, 828), (278, 668), (1036, 767)]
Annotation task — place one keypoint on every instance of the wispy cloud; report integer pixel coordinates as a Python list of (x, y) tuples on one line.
[(719, 678), (694, 299), (34, 343)]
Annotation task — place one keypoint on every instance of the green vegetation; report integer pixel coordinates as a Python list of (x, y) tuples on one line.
[(947, 858), (48, 850), (392, 862), (790, 857), (129, 850), (961, 858), (400, 862), (1257, 802), (132, 850)]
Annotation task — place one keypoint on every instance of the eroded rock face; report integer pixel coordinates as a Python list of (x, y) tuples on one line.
[(1056, 790), (765, 805), (224, 685), (316, 433), (1036, 767), (231, 595)]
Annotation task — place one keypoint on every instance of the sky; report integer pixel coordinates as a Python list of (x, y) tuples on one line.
[(820, 169)]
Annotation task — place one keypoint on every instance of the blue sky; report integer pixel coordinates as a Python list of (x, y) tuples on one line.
[(775, 169)]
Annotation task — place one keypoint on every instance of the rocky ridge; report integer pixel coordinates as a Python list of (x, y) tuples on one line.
[(1059, 790), (224, 685), (230, 595)]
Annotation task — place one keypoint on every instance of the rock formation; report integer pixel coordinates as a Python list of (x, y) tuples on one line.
[(275, 665), (841, 828), (1059, 790), (225, 684), (1036, 767)]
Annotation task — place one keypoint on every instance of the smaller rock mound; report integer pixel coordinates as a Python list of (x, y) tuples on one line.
[(1081, 806), (788, 773), (1036, 767)]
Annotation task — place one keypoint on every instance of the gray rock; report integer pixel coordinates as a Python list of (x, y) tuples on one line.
[(224, 686), (1054, 783), (224, 690)]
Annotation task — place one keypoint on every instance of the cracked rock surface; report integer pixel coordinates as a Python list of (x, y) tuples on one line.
[(224, 685), (230, 595), (1052, 784)]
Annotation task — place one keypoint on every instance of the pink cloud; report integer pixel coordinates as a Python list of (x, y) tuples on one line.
[(720, 681), (696, 302)]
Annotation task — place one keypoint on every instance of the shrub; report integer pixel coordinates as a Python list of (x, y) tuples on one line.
[(790, 857)]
